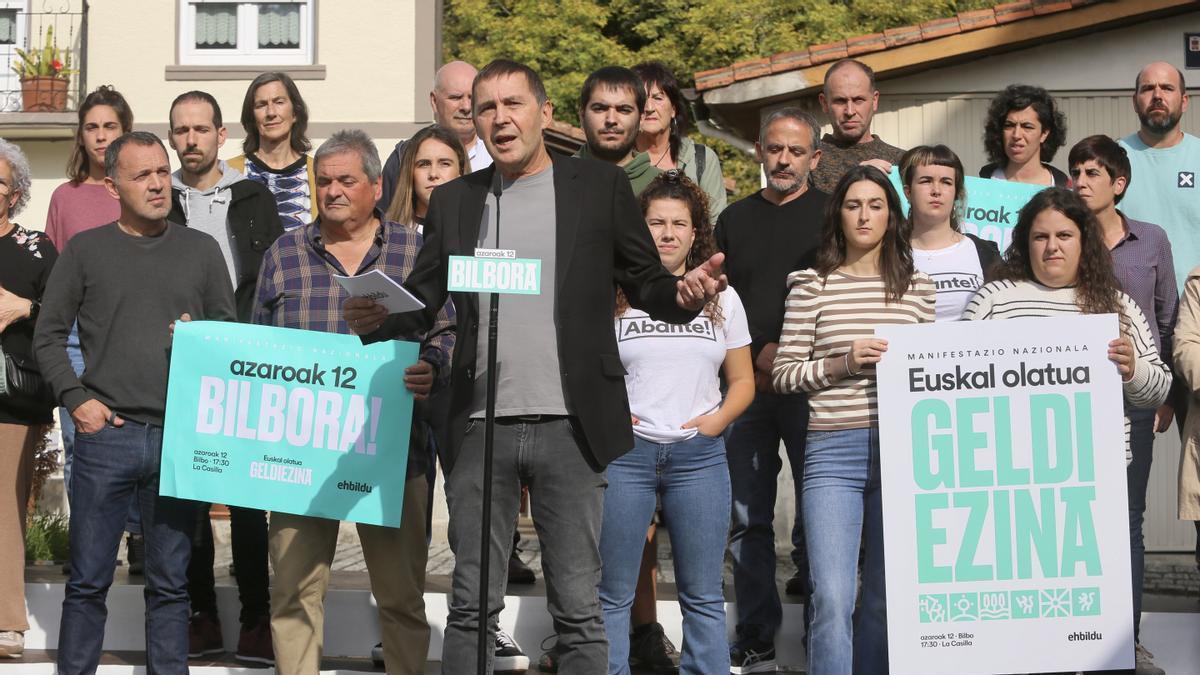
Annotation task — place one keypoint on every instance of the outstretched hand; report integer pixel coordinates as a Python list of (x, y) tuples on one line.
[(701, 284)]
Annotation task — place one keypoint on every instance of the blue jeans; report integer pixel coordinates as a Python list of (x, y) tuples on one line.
[(1141, 443), (133, 521), (692, 479), (754, 464), (109, 465), (842, 508)]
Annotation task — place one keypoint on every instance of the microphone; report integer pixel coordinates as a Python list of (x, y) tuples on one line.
[(497, 183)]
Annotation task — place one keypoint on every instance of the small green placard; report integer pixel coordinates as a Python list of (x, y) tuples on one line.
[(521, 276)]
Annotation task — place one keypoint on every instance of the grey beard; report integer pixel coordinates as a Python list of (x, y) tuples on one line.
[(785, 188), (1163, 127)]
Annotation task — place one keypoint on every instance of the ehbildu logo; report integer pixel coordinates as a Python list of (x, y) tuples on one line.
[(1187, 179)]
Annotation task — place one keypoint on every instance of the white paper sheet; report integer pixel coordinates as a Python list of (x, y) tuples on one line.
[(382, 289)]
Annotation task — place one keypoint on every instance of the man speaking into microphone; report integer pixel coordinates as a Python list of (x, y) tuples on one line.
[(561, 409)]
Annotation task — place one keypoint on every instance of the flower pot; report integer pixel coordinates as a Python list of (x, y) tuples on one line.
[(44, 94)]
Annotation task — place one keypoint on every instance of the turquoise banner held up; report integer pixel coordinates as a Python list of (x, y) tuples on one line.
[(991, 209), (288, 420)]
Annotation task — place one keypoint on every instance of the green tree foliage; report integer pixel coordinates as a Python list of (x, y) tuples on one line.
[(564, 40)]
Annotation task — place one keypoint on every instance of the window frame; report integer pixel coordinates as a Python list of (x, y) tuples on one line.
[(10, 84), (247, 13)]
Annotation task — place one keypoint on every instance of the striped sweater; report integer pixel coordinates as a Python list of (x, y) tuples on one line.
[(1151, 380), (823, 317)]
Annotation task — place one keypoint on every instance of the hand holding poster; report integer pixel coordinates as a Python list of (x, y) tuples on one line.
[(1004, 497), (288, 420)]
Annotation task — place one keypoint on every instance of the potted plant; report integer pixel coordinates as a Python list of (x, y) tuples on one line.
[(45, 74)]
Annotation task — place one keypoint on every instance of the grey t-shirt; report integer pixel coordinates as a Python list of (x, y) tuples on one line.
[(530, 381)]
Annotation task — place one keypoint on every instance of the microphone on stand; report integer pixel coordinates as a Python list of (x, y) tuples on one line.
[(485, 647)]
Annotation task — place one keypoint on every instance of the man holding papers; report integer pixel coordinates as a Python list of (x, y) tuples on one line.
[(297, 289)]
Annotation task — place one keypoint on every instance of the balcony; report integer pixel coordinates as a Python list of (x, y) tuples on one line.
[(40, 91)]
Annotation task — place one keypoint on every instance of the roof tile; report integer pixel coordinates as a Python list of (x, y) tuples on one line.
[(980, 18), (902, 36), (711, 79), (1050, 6), (1013, 11), (940, 28), (785, 61), (745, 70), (864, 44), (825, 53)]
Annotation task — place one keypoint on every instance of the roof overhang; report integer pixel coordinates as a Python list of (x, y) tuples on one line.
[(753, 85)]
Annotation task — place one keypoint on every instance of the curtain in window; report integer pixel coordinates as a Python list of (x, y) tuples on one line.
[(216, 26), (279, 26), (8, 26)]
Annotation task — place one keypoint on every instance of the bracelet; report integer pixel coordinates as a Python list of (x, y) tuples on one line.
[(846, 359)]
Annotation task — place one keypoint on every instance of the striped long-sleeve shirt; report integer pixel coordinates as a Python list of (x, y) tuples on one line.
[(1023, 299), (823, 317)]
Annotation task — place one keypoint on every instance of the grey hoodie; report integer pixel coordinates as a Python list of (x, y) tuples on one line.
[(208, 211)]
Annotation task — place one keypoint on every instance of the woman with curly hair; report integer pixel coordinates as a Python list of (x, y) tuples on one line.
[(1022, 131), (864, 276), (1058, 265), (26, 257), (678, 455)]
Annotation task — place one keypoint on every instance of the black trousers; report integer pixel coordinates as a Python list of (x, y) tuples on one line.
[(249, 544)]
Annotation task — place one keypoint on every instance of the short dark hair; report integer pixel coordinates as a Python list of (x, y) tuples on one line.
[(113, 153), (201, 96), (866, 70), (1108, 154), (1019, 97), (299, 136), (77, 165), (656, 73), (1137, 80), (936, 155), (613, 77), (506, 67)]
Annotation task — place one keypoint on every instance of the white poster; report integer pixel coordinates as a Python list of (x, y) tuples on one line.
[(1005, 514)]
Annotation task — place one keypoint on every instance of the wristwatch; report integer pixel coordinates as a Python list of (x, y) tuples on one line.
[(35, 307)]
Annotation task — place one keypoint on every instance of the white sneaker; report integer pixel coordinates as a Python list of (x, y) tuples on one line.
[(1143, 662), (508, 657), (12, 644)]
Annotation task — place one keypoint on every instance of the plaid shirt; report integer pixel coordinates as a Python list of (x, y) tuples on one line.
[(296, 289)]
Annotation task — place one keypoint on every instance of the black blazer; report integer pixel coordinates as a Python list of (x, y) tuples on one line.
[(601, 240)]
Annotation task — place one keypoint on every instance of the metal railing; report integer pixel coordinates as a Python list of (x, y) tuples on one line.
[(52, 35)]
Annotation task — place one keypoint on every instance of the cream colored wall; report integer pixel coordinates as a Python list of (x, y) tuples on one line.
[(366, 52), (370, 77)]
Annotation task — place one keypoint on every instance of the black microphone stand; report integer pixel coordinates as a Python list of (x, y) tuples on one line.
[(489, 429)]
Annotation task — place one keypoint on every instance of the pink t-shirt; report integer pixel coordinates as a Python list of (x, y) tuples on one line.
[(77, 208)]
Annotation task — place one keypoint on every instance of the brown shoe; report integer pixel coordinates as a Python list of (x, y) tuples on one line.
[(254, 643), (204, 635)]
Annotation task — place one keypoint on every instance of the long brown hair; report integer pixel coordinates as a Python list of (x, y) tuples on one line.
[(895, 256), (674, 185), (403, 201), (1096, 287), (77, 165), (298, 138)]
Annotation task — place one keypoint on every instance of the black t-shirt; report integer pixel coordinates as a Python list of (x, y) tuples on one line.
[(763, 243), (26, 258)]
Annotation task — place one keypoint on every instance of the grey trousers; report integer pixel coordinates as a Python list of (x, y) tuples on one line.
[(566, 497)]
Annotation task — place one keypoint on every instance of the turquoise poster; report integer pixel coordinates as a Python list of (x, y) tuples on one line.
[(288, 420), (991, 208)]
